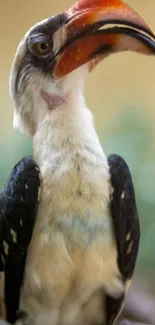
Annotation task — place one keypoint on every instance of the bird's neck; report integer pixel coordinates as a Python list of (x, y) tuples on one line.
[(66, 131)]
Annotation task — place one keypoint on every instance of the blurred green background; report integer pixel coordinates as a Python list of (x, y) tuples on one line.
[(120, 93)]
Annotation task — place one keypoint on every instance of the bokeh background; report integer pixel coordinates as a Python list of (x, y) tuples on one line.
[(121, 94)]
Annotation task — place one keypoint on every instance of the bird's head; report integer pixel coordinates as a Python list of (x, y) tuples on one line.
[(56, 54)]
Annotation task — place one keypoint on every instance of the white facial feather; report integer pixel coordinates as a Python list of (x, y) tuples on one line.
[(30, 109)]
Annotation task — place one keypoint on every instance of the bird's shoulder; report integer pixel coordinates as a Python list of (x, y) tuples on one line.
[(18, 208)]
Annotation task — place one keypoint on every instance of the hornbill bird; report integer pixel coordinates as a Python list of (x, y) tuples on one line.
[(72, 261)]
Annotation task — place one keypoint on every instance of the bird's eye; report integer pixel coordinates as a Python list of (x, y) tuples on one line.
[(43, 47), (40, 45)]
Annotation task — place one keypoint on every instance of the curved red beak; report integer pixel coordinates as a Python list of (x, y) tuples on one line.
[(98, 28)]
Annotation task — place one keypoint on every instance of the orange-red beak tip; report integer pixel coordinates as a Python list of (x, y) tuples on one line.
[(90, 38)]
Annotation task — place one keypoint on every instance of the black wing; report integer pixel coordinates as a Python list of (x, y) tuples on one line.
[(18, 208), (126, 226)]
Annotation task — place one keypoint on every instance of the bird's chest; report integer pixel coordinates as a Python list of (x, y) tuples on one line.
[(73, 210), (74, 201), (72, 226)]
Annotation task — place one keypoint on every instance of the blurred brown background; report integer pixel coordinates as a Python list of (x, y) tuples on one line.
[(121, 94)]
